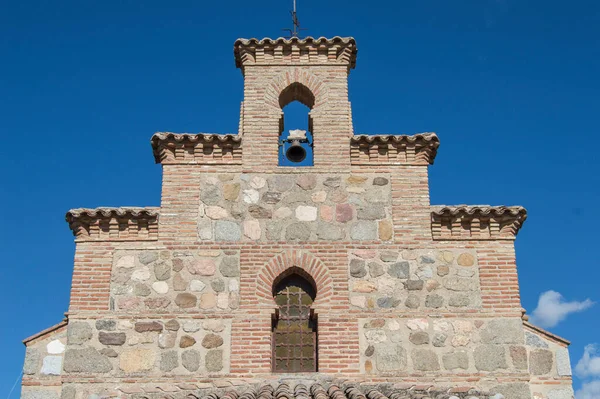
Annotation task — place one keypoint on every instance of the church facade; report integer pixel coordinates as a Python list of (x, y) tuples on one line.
[(334, 279)]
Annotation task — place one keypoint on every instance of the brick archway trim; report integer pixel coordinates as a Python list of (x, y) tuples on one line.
[(294, 258), (297, 75)]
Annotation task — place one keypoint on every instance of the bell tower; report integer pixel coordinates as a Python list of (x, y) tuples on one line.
[(311, 71)]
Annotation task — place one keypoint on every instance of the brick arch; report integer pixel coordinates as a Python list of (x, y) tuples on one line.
[(288, 79), (289, 261)]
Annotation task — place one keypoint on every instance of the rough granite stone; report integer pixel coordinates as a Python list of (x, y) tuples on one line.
[(388, 302), (459, 301), (399, 270), (419, 337), (259, 212), (190, 359), (210, 194), (414, 285), (563, 363), (518, 355), (186, 300), (343, 212), (434, 301), (412, 301), (67, 392), (380, 181), (211, 341), (78, 332), (369, 351), (86, 360), (371, 212), (106, 325), (146, 326), (328, 231), (307, 182), (376, 269), (214, 360), (227, 231), (147, 257), (535, 341), (32, 361), (540, 361), (230, 266), (390, 357), (109, 352), (465, 259), (490, 357), (298, 232), (364, 230), (30, 393), (169, 360), (172, 325), (439, 339), (519, 390), (167, 339), (162, 271), (503, 331), (186, 341), (357, 268), (141, 289), (136, 360), (112, 338), (456, 360), (425, 360)]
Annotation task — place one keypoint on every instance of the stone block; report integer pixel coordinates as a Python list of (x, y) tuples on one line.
[(227, 231), (186, 300), (36, 393), (518, 355), (419, 338), (390, 357), (357, 268), (52, 365), (456, 360), (364, 230), (425, 360), (503, 331), (106, 325), (399, 270), (211, 341), (86, 360), (145, 326), (190, 359), (490, 357), (214, 360), (169, 360), (371, 212), (32, 361), (540, 361), (111, 338), (135, 360), (298, 232), (414, 285), (376, 269), (535, 340), (563, 362), (434, 301), (412, 301), (78, 332), (519, 390), (388, 302)]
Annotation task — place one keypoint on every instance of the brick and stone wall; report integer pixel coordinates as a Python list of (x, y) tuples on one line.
[(178, 300)]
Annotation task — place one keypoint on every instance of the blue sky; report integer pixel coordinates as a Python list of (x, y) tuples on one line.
[(511, 87)]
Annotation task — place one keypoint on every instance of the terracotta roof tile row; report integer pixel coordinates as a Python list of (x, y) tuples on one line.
[(350, 391), (481, 210), (167, 139)]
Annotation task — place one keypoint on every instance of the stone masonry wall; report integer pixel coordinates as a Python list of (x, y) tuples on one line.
[(44, 364), (175, 281), (154, 347), (294, 207), (407, 280)]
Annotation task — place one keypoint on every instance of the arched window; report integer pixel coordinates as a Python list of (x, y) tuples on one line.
[(295, 138), (294, 326)]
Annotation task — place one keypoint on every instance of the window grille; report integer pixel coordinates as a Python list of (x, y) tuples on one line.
[(294, 327)]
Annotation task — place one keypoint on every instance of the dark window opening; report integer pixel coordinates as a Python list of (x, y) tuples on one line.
[(294, 326)]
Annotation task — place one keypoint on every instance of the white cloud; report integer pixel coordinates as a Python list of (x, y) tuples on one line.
[(589, 390), (552, 309), (589, 364)]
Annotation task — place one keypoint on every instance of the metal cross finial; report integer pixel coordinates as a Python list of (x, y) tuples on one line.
[(295, 23)]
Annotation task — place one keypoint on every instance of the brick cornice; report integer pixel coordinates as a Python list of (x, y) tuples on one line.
[(114, 224), (477, 222), (197, 148), (307, 51), (390, 149)]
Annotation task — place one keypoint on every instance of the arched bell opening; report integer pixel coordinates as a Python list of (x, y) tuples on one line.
[(294, 324), (295, 126)]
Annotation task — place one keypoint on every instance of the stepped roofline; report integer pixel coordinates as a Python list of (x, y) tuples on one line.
[(114, 224), (305, 51)]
